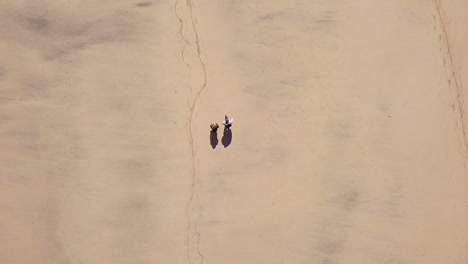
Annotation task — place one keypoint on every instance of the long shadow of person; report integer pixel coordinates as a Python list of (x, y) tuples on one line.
[(227, 137), (213, 139)]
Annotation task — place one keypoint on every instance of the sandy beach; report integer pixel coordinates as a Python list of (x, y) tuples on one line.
[(349, 142)]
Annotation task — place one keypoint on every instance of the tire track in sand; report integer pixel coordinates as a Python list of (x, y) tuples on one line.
[(458, 101), (193, 206)]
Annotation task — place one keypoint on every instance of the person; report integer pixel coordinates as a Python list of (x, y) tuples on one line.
[(227, 122), (214, 127)]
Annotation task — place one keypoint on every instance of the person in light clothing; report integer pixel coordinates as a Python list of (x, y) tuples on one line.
[(227, 121)]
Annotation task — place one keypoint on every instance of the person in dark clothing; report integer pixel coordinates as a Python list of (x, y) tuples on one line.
[(214, 127)]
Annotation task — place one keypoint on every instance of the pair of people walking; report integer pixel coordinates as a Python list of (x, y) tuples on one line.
[(227, 124), (227, 133)]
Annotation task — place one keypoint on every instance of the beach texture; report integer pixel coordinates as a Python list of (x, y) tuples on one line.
[(349, 142)]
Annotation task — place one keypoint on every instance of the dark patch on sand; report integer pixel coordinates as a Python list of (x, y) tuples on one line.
[(40, 24), (58, 34), (271, 16), (338, 130), (349, 200), (144, 4), (3, 73), (332, 247)]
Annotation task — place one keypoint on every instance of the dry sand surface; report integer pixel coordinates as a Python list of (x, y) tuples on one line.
[(349, 143)]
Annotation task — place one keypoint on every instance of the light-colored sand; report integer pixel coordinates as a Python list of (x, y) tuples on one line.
[(349, 143)]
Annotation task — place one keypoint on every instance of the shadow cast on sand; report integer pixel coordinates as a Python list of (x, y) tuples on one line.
[(227, 137), (213, 139)]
